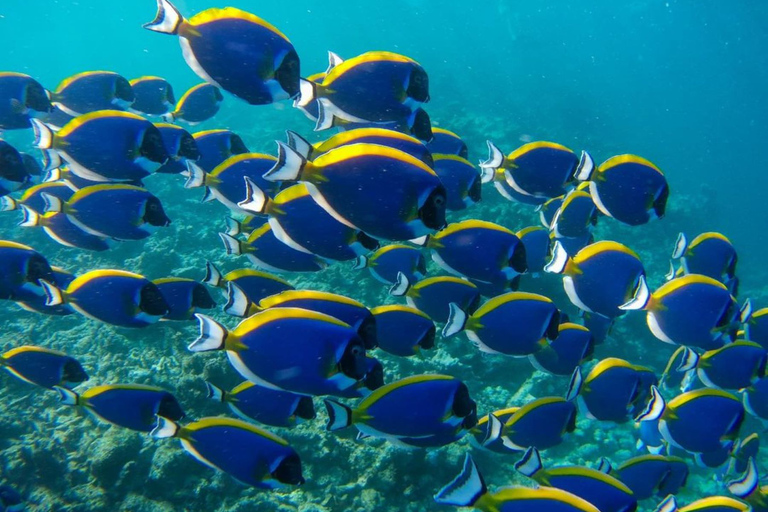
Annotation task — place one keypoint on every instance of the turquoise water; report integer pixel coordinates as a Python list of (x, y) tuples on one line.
[(680, 83)]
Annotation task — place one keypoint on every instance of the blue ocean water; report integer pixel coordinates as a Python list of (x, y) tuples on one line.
[(677, 82)]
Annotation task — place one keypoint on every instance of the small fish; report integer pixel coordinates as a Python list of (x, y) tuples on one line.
[(115, 297), (13, 172), (468, 490), (106, 145), (515, 324), (131, 406), (90, 91), (403, 330), (700, 421), (301, 223), (184, 297), (123, 212), (200, 103), (255, 284), (61, 229), (432, 403), (234, 50), (267, 252), (445, 142), (43, 367), (153, 96), (602, 278), (22, 270), (252, 402), (709, 254), (462, 182), (573, 345), (693, 310), (709, 504), (576, 216), (395, 88), (180, 146), (434, 295), (22, 97), (537, 169), (249, 454), (390, 260), (406, 202), (537, 245), (650, 475), (478, 250), (215, 146), (605, 492), (292, 349), (349, 311), (735, 366), (628, 188)]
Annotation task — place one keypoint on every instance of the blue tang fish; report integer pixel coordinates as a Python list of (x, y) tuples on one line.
[(576, 216), (153, 95), (515, 324), (273, 407), (292, 349), (23, 97), (573, 345), (33, 199), (249, 454), (184, 297), (536, 241), (215, 146), (130, 406), (445, 142), (255, 284), (115, 297), (200, 103), (123, 212), (406, 202), (390, 260), (709, 254), (61, 229), (434, 295), (43, 367), (735, 366), (650, 475), (21, 272), (462, 182), (267, 252), (234, 50), (403, 330), (90, 91), (180, 146)]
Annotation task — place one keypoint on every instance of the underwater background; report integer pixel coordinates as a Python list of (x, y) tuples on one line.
[(681, 83)]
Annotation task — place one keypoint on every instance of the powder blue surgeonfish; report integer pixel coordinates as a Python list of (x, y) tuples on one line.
[(33, 198), (462, 182), (22, 97), (184, 297), (180, 146), (650, 475), (249, 454), (572, 346), (387, 262), (215, 146), (122, 212), (106, 145), (36, 303), (235, 50), (605, 492), (708, 504), (153, 95), (514, 324), (709, 254), (434, 295), (292, 349), (431, 403), (112, 296), (255, 284), (90, 91), (735, 366), (130, 406), (267, 252), (21, 272), (406, 202), (576, 216), (445, 142), (468, 489), (200, 103), (59, 226), (274, 407), (43, 367), (403, 330)]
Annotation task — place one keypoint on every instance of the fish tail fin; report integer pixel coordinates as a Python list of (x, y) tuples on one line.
[(256, 200), (464, 490), (670, 275), (559, 260), (585, 168), (299, 143), (52, 203), (290, 164), (212, 335), (530, 463), (401, 286), (30, 218), (213, 275), (326, 114), (360, 262), (53, 295), (493, 430), (655, 407), (668, 504), (688, 361), (43, 134), (238, 303), (234, 227), (746, 484), (574, 386), (51, 163), (457, 320), (170, 117), (681, 245), (195, 175), (165, 428), (307, 93), (421, 241), (745, 313), (214, 392), (339, 415), (641, 298), (487, 175), (231, 244), (604, 466), (168, 19), (67, 396), (495, 159), (8, 204)]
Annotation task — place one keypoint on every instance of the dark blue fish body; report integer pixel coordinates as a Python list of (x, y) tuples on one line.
[(184, 297), (711, 255), (21, 271), (573, 345), (402, 330), (267, 252), (59, 227), (256, 285), (274, 407), (389, 261), (434, 295), (549, 209), (226, 182), (153, 95), (576, 216), (537, 244), (200, 103), (180, 146), (600, 326), (43, 367), (611, 389), (746, 449), (756, 327), (541, 424), (215, 146), (446, 142), (32, 165), (461, 180), (13, 172), (22, 96), (756, 399), (36, 303), (652, 475), (91, 91), (735, 366)]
